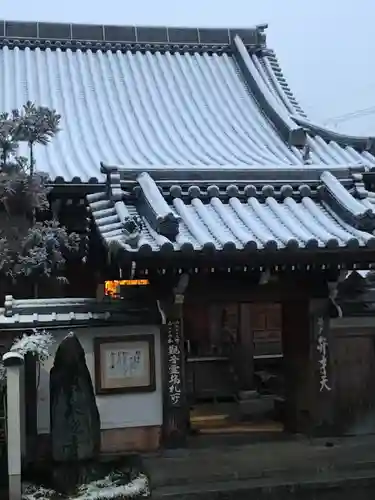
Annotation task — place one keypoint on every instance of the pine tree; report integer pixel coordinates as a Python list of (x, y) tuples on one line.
[(30, 250)]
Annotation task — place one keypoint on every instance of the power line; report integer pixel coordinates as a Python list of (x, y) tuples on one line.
[(367, 87), (351, 115)]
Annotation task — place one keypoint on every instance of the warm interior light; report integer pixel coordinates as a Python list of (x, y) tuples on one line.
[(112, 288)]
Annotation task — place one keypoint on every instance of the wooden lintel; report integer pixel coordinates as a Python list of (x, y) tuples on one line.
[(303, 259)]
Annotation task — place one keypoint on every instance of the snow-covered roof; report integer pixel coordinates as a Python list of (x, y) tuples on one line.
[(162, 96), (315, 212)]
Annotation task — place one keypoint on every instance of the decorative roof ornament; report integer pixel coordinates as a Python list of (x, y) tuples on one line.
[(370, 144), (306, 155)]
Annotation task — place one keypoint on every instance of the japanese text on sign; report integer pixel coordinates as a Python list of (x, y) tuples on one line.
[(322, 348), (174, 362), (125, 363)]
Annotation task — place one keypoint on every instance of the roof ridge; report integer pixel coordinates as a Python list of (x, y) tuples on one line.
[(70, 34), (69, 312), (232, 174), (13, 305)]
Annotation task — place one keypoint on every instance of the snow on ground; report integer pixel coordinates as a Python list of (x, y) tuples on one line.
[(104, 489)]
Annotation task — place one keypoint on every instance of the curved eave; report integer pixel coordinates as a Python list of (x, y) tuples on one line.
[(324, 145), (359, 143)]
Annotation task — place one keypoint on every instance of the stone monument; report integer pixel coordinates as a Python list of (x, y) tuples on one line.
[(75, 420)]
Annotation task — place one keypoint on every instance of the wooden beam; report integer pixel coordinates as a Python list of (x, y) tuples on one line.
[(301, 259)]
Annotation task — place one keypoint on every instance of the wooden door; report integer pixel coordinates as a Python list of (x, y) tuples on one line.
[(355, 383), (260, 336), (266, 329)]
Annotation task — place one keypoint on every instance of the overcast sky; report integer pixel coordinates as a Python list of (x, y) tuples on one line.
[(326, 47)]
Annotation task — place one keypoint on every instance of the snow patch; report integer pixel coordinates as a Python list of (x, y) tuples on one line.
[(103, 489), (107, 489), (33, 492), (363, 273), (38, 343)]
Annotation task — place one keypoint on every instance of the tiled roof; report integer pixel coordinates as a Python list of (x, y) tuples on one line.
[(149, 218), (179, 102), (32, 313)]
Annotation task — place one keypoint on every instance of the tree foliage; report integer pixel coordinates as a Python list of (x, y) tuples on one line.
[(38, 343), (29, 250)]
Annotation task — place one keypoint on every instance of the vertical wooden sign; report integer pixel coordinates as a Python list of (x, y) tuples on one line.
[(175, 414), (323, 361), (174, 363), (321, 349)]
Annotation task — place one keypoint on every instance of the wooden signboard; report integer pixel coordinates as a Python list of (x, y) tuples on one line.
[(175, 409)]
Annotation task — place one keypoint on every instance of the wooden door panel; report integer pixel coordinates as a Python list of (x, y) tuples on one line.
[(266, 319), (355, 378)]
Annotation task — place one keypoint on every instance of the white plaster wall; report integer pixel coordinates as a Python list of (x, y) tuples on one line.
[(116, 411)]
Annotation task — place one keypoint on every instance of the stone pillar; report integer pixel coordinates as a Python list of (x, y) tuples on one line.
[(30, 376), (22, 400), (14, 364)]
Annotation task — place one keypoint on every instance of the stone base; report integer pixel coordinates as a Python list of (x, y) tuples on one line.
[(128, 439), (114, 441), (15, 488)]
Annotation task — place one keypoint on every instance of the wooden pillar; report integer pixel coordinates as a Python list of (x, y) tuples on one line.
[(309, 380), (295, 331), (175, 404), (246, 348)]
